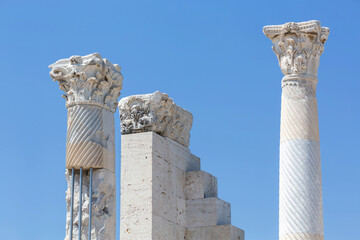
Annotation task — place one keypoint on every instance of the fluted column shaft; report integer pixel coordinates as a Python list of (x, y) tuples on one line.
[(298, 47), (300, 198), (90, 140)]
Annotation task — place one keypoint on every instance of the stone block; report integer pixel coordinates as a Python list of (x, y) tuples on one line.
[(164, 202), (166, 230), (153, 186), (177, 154), (180, 211), (200, 184), (130, 202), (163, 192), (137, 225), (220, 232), (136, 159), (207, 212)]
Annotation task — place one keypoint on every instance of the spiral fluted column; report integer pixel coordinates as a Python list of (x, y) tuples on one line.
[(298, 47), (91, 85)]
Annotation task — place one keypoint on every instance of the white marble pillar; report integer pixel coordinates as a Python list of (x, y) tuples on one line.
[(298, 47), (91, 85)]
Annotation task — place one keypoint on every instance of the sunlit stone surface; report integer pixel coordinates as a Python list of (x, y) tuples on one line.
[(298, 47), (92, 85), (164, 194)]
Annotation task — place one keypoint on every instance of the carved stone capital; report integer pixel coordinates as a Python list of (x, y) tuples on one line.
[(89, 80), (155, 112), (298, 46)]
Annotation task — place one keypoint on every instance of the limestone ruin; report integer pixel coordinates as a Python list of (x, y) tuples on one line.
[(91, 85), (164, 193)]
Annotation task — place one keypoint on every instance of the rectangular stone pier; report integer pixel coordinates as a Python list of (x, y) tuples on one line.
[(165, 195)]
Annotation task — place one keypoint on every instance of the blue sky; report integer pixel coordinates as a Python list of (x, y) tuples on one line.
[(212, 58)]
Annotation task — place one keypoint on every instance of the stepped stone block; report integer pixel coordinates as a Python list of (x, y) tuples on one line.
[(207, 212), (175, 153), (163, 191), (220, 232), (200, 184)]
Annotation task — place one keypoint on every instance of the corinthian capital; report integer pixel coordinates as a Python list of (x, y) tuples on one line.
[(89, 80), (155, 112), (298, 46)]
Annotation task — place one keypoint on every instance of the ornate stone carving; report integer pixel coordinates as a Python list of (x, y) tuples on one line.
[(155, 112), (298, 46), (91, 85), (88, 80)]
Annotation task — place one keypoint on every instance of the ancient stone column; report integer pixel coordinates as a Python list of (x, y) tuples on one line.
[(298, 47), (91, 85), (164, 194)]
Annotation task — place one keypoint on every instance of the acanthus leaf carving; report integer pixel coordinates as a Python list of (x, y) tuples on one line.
[(298, 46), (155, 112), (88, 80)]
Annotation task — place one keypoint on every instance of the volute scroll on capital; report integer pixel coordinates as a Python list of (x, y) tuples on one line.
[(298, 46), (90, 79)]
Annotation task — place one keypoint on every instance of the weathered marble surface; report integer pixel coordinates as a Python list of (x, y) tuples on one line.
[(103, 205), (301, 205), (155, 112), (90, 140), (91, 85), (90, 80), (298, 47)]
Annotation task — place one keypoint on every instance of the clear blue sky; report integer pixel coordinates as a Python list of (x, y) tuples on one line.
[(212, 58)]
